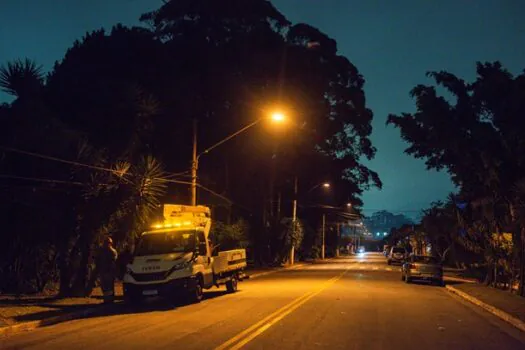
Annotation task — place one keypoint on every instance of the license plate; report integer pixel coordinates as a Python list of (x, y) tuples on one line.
[(150, 292)]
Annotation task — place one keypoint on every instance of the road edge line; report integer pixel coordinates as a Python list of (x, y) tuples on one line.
[(31, 325), (492, 309)]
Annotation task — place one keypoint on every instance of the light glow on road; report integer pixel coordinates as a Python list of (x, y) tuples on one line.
[(246, 336)]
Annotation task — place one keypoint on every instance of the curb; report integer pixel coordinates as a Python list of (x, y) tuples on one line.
[(31, 325), (458, 279), (493, 310)]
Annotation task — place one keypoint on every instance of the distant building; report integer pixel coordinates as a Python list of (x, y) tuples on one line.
[(381, 222)]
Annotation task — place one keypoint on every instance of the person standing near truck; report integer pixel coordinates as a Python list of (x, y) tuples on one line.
[(107, 268)]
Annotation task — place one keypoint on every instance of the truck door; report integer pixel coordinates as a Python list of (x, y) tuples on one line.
[(204, 259)]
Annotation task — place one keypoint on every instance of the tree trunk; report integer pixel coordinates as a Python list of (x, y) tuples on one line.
[(64, 275), (81, 280), (489, 277), (521, 285)]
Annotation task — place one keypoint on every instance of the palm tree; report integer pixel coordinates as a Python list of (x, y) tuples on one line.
[(21, 78)]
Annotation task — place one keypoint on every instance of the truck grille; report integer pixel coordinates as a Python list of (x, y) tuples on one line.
[(146, 277)]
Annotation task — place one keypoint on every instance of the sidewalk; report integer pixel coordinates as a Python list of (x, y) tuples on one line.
[(502, 304), (29, 312), (37, 310)]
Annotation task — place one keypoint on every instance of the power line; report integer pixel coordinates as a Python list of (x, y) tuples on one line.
[(182, 173), (33, 154), (38, 155), (4, 176)]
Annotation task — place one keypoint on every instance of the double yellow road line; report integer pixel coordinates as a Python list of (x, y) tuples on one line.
[(243, 338)]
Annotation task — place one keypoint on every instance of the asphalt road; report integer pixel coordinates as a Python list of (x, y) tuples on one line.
[(348, 303)]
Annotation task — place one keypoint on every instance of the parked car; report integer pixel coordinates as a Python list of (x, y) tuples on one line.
[(420, 267), (396, 255)]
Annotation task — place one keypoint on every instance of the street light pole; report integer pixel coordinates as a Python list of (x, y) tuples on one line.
[(294, 221), (323, 246), (338, 226), (194, 166)]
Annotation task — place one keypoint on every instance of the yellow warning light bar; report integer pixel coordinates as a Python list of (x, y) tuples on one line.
[(174, 224)]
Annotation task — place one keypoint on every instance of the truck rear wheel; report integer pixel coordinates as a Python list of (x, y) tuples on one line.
[(231, 285)]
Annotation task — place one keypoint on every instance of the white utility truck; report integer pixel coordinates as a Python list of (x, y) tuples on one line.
[(174, 259)]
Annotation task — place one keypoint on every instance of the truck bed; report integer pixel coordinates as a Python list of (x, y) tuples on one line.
[(230, 260)]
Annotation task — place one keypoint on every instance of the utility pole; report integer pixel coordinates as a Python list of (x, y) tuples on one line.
[(323, 246), (338, 239), (294, 220), (279, 205), (194, 166), (355, 239)]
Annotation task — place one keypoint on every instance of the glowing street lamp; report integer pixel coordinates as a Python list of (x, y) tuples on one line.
[(325, 185), (278, 117)]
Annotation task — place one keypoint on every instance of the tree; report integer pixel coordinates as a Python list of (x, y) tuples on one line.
[(21, 78), (130, 93), (96, 191), (440, 225), (235, 60), (477, 136)]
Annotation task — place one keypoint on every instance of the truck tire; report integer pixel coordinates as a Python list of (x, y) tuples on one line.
[(196, 294), (231, 285), (439, 283), (133, 299)]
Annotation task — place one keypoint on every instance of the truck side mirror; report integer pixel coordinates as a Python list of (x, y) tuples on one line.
[(202, 249)]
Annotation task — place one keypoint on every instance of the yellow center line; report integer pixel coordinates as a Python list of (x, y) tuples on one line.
[(258, 328)]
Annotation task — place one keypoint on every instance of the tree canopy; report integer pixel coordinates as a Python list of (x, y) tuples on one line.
[(477, 135), (118, 112)]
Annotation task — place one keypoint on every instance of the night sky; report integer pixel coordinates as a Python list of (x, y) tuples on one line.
[(392, 43)]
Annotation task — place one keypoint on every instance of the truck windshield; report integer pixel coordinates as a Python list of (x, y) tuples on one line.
[(166, 243)]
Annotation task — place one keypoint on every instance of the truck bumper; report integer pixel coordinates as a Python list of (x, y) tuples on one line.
[(164, 289)]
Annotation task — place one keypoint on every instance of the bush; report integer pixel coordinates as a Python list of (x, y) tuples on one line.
[(229, 236)]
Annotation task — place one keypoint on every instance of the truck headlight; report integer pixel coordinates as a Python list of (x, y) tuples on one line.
[(179, 266)]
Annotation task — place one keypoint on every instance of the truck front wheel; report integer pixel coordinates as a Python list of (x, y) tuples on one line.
[(231, 285), (196, 294), (132, 299)]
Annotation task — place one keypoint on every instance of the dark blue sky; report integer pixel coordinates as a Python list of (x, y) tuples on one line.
[(393, 44)]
